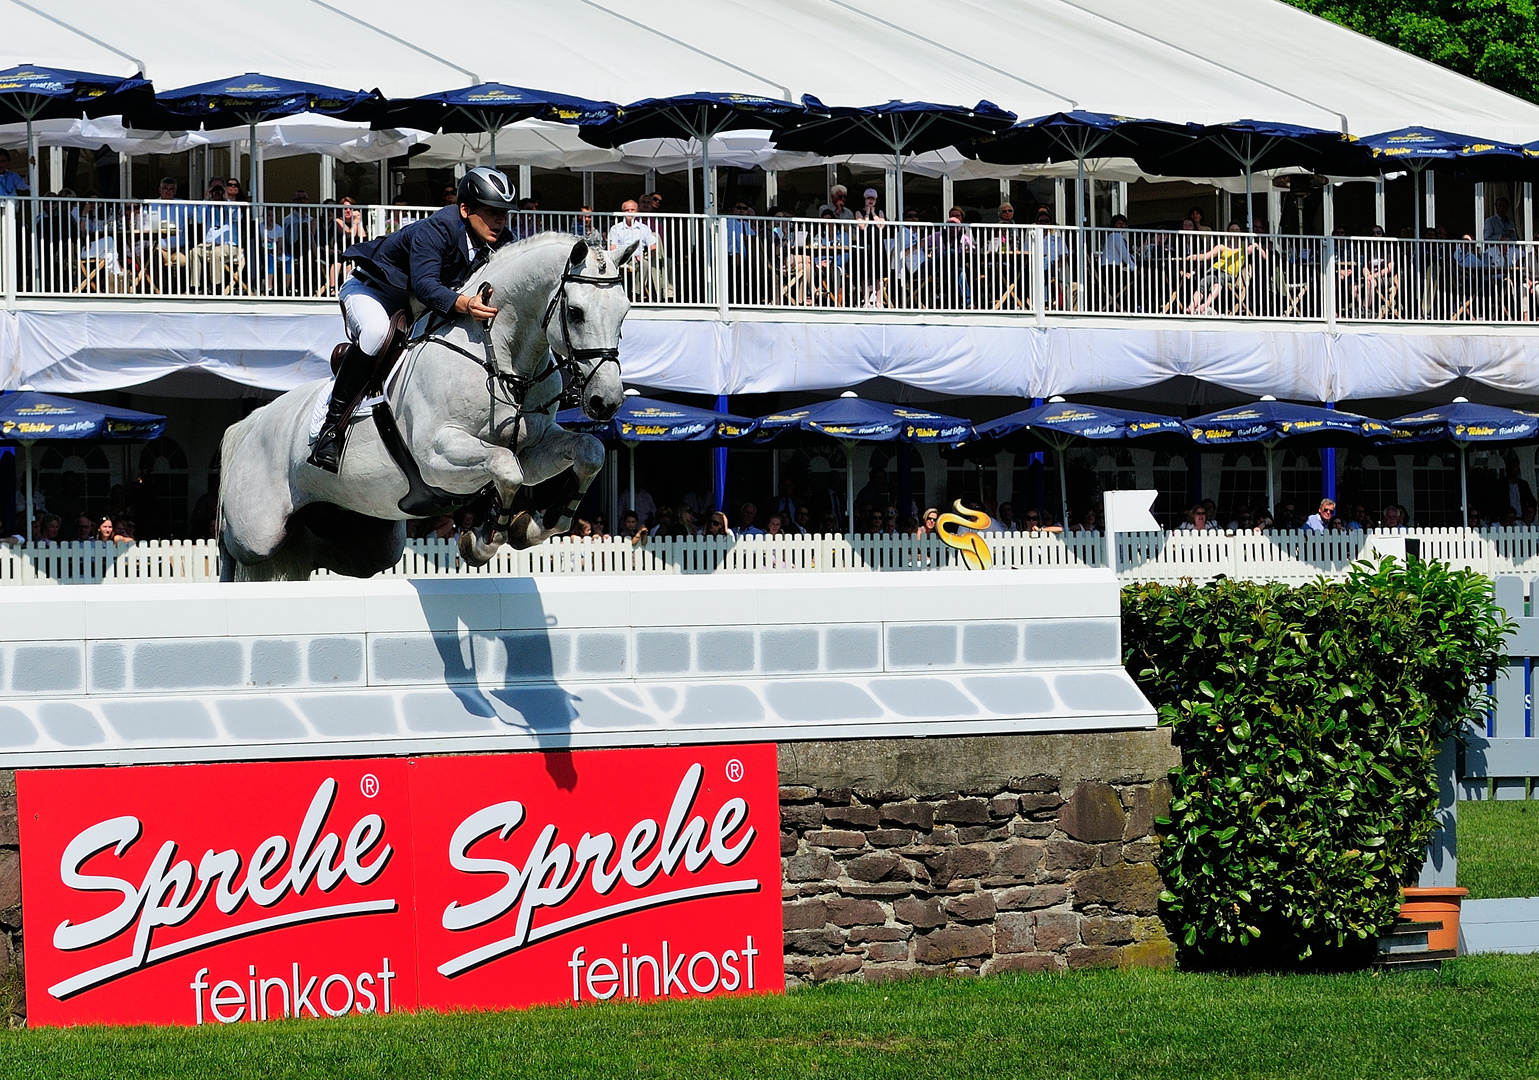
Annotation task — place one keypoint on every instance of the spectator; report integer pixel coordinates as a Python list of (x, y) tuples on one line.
[(630, 525), (1197, 520), (745, 517), (1518, 493), (299, 241), (785, 503), (1195, 213), (646, 509), (11, 183), (828, 524), (450, 194), (1004, 520), (1393, 517), (166, 223), (927, 524), (123, 529), (835, 204), (232, 189), (802, 520), (1320, 521), (775, 526), (716, 524), (1089, 522), (875, 493), (47, 530), (85, 527), (642, 269), (869, 211), (1499, 226), (583, 224)]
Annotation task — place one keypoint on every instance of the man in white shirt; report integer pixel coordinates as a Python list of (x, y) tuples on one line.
[(629, 230), (11, 183), (1320, 520)]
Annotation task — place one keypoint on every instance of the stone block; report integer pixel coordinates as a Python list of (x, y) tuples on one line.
[(811, 866), (1159, 799), (189, 665), (1106, 929), (974, 834), (10, 879), (963, 812), (886, 951), (47, 668), (1140, 851), (990, 644), (926, 645), (884, 838), (1041, 805), (275, 662), (860, 817), (1031, 897), (1023, 962), (1069, 855), (915, 815), (1140, 820), (1004, 806), (886, 889), (835, 796), (334, 660), (662, 652), (1094, 956), (958, 864), (1133, 888), (861, 934), (789, 650), (1037, 784), (801, 817), (1110, 854), (884, 973), (835, 838), (9, 837), (109, 666), (1149, 954), (804, 915), (1054, 930), (921, 913), (814, 942), (1033, 830), (1012, 932), (1093, 813), (796, 793), (953, 943), (726, 651), (1072, 642), (849, 911), (788, 843), (873, 867), (597, 654), (836, 966), (1017, 860), (971, 907), (851, 648)]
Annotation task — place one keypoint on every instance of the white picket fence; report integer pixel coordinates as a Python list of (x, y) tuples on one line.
[(1168, 557)]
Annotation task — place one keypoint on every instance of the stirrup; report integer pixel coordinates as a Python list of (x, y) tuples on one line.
[(327, 453)]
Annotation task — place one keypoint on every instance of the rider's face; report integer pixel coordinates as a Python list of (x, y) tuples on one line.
[(485, 224)]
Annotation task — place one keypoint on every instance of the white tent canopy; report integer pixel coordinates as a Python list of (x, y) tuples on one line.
[(1180, 60)]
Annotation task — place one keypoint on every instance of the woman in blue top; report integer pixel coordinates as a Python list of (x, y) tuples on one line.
[(429, 259)]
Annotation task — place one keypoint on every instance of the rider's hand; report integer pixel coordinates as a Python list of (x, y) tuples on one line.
[(472, 305)]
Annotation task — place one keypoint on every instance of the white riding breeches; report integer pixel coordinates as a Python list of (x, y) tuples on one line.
[(366, 314)]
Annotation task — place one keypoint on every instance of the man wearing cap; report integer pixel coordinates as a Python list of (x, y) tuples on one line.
[(428, 260)]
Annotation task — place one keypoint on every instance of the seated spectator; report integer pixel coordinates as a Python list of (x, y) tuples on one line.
[(1004, 520), (869, 211), (233, 189), (47, 530), (927, 523), (1499, 226), (1089, 522), (450, 194), (1394, 517), (775, 526), (716, 524), (1197, 520), (828, 525), (105, 530), (745, 516), (835, 205), (889, 526), (11, 183), (123, 530), (802, 521), (85, 527), (1320, 521)]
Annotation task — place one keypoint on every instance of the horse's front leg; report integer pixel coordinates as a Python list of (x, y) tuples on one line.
[(558, 452), (455, 451)]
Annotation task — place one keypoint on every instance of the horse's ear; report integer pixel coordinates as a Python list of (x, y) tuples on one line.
[(579, 253), (624, 257)]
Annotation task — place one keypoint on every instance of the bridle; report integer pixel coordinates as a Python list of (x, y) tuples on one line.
[(576, 383)]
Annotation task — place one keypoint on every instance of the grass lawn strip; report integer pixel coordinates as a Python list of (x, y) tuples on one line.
[(1474, 1020), (1499, 849)]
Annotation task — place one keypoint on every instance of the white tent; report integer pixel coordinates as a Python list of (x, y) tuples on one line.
[(1180, 60)]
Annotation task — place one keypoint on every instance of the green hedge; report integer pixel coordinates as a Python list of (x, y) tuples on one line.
[(1309, 720)]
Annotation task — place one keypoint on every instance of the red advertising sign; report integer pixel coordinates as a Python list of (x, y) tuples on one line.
[(196, 894), (604, 875), (231, 893)]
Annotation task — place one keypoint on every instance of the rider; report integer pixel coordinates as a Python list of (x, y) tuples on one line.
[(429, 259)]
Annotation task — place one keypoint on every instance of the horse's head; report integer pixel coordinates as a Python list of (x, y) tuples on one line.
[(582, 326)]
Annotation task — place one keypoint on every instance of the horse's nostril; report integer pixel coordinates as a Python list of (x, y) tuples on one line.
[(596, 406)]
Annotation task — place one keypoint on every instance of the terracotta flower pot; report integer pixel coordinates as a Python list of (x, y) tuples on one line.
[(1435, 905)]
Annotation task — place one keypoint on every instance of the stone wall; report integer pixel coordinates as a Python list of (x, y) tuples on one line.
[(972, 855)]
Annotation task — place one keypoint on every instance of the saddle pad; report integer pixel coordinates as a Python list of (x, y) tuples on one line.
[(323, 402)]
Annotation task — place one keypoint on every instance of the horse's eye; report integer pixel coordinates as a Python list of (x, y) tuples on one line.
[(575, 314)]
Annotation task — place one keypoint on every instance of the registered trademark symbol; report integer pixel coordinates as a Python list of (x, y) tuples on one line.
[(369, 785), (734, 770)]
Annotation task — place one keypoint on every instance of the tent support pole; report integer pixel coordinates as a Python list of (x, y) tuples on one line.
[(1271, 487), (849, 484), (32, 183), (493, 134), (1464, 485), (28, 446), (1063, 487), (632, 507)]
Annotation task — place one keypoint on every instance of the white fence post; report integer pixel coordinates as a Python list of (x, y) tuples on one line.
[(9, 264)]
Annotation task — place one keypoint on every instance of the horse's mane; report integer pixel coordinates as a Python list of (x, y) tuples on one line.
[(549, 238)]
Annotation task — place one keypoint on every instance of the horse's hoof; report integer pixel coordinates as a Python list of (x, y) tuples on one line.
[(519, 529), (473, 551)]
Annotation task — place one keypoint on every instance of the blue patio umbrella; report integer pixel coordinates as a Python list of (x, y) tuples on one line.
[(1463, 422), (251, 99), (27, 417), (1078, 135), (1416, 149), (851, 419), (1059, 423), (701, 117), (1270, 422), (643, 419), (37, 93), (488, 107), (897, 128), (1247, 145)]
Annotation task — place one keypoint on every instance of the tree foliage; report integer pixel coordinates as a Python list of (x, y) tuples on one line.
[(1309, 720), (1494, 41)]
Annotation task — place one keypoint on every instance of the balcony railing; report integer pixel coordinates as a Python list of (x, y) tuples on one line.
[(56, 248)]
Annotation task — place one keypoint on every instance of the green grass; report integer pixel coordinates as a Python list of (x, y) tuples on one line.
[(1476, 1019), (1499, 849)]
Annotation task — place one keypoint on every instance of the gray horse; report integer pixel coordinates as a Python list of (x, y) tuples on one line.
[(468, 408)]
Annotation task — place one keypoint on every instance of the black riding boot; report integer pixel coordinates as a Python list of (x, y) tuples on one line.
[(352, 376)]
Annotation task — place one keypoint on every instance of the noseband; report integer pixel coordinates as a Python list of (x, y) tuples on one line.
[(566, 360)]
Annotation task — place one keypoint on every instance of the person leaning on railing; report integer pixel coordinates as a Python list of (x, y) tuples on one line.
[(1118, 267), (642, 270)]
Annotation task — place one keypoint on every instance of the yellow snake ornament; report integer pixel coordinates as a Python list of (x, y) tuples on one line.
[(975, 553)]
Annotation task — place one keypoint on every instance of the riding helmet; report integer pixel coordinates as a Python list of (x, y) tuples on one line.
[(483, 186)]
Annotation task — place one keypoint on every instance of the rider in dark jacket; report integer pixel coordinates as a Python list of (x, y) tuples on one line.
[(428, 259)]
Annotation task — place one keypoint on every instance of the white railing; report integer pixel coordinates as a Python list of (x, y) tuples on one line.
[(71, 247), (1164, 557)]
